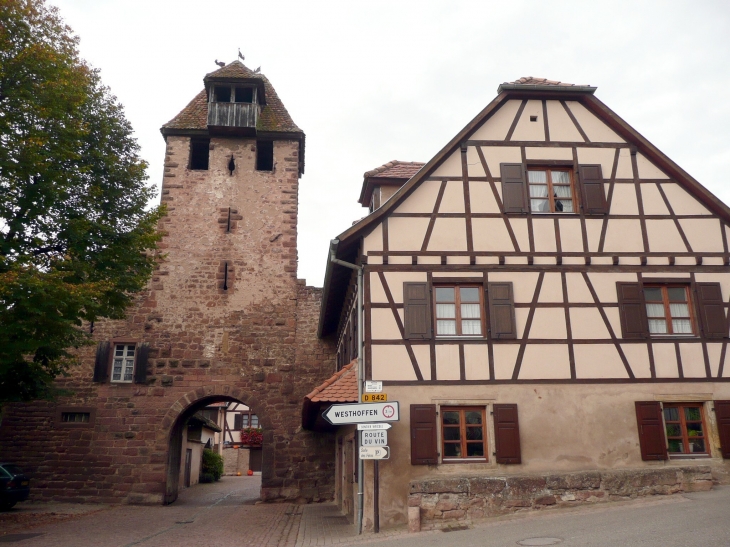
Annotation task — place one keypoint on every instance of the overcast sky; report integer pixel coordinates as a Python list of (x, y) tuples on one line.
[(370, 82)]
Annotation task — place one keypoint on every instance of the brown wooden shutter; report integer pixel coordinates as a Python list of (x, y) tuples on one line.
[(633, 310), (417, 310), (711, 310), (594, 198), (237, 421), (101, 365), (502, 310), (140, 364), (507, 434), (514, 196), (423, 435), (722, 413), (651, 430)]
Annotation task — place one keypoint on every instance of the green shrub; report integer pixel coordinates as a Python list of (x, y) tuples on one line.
[(206, 477), (212, 464)]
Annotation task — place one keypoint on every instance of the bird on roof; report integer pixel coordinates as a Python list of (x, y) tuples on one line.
[(220, 63), (240, 55), (257, 70)]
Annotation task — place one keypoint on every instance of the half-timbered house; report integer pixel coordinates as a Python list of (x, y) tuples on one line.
[(546, 299)]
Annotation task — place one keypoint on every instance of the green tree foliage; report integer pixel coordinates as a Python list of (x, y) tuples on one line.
[(212, 464), (76, 242)]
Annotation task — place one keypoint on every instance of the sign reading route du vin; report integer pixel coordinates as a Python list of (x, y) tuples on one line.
[(358, 413)]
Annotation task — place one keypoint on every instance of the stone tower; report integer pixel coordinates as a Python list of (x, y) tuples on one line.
[(224, 319)]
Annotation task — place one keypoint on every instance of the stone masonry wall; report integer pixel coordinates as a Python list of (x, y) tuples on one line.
[(441, 503), (255, 343)]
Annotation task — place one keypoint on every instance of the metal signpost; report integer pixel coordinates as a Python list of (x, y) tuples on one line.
[(371, 419)]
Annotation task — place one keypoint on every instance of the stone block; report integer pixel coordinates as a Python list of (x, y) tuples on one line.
[(486, 486), (520, 487), (545, 500), (574, 481), (414, 519), (437, 486)]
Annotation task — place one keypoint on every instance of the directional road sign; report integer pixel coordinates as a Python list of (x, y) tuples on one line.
[(374, 453), (374, 438), (362, 412), (371, 427)]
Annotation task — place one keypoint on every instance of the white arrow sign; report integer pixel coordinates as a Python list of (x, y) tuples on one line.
[(357, 413), (374, 453), (372, 427), (374, 438)]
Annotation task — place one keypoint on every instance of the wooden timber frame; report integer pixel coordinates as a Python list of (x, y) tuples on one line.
[(526, 258)]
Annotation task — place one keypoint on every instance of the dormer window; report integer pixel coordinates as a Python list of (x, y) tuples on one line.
[(243, 95)]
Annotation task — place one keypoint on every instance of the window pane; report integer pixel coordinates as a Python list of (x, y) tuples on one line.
[(682, 326), (564, 206), (469, 294), (560, 177), (540, 205), (562, 191), (471, 327), (473, 418), (655, 310), (653, 293), (117, 370), (695, 430), (696, 445), (452, 450), (130, 351), (451, 417), (671, 414), (475, 449), (445, 327), (452, 434), (474, 433), (469, 311), (538, 191), (445, 294), (657, 326), (119, 351), (676, 446), (445, 311), (674, 430), (692, 414), (677, 294), (537, 176)]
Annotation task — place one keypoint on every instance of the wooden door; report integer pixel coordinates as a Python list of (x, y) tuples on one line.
[(188, 465)]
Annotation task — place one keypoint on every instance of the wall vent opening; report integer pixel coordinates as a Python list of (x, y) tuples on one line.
[(231, 166), (533, 118)]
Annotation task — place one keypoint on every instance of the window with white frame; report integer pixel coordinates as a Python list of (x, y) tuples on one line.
[(123, 365)]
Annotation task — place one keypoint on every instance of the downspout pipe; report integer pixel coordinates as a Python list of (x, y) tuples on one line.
[(360, 369)]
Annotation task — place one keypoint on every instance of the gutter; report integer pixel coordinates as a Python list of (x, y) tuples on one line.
[(360, 369), (554, 88)]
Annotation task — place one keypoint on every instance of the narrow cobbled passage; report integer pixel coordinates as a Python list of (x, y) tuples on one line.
[(219, 514)]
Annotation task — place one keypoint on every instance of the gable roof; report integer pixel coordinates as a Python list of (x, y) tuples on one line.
[(345, 246), (274, 116), (393, 173)]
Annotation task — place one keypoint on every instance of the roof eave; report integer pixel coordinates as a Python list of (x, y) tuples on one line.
[(577, 89)]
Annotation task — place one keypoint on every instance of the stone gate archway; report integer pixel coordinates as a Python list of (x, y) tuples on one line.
[(176, 418)]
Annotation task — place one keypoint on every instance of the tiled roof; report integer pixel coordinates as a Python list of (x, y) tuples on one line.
[(396, 169), (341, 387), (273, 117), (529, 80)]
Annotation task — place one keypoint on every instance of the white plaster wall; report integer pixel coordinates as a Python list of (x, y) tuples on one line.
[(595, 129), (497, 126), (453, 198), (602, 156), (527, 130), (548, 324), (665, 360), (652, 200), (681, 201), (625, 169), (447, 362), (605, 284), (543, 232), (482, 198), (560, 125), (623, 235), (451, 166), (523, 283), (598, 361), (552, 288), (571, 236), (505, 357), (647, 170), (374, 240), (395, 282), (422, 199), (490, 234), (500, 154), (624, 200), (391, 363), (423, 358), (664, 237), (693, 360), (548, 153), (577, 289), (587, 323), (638, 357), (476, 361), (704, 235), (474, 163), (545, 361), (593, 231), (406, 233), (383, 325), (522, 235), (449, 234)]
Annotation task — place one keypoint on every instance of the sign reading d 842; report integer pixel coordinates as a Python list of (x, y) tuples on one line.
[(374, 397)]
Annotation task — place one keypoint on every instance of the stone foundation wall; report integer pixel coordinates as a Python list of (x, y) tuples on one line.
[(445, 502)]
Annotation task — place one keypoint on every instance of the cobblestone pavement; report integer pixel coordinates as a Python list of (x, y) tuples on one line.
[(219, 514)]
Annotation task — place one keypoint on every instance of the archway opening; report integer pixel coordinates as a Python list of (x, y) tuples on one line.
[(222, 424)]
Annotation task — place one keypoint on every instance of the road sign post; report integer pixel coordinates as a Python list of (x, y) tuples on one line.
[(374, 452), (374, 438)]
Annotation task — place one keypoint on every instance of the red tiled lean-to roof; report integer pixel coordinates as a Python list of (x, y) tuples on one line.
[(341, 387), (396, 169), (274, 115), (530, 80)]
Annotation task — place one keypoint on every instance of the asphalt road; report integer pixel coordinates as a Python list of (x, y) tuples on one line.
[(688, 520)]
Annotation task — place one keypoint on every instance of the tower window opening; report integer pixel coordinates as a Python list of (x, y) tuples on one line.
[(228, 224), (225, 276), (231, 166), (244, 95), (199, 152), (222, 94), (264, 155)]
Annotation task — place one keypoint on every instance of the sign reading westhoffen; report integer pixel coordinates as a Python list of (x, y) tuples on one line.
[(359, 413)]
